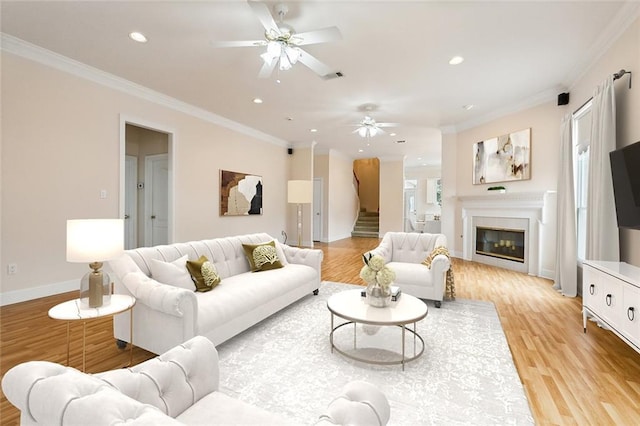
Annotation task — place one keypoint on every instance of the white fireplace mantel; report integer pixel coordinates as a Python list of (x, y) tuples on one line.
[(523, 205)]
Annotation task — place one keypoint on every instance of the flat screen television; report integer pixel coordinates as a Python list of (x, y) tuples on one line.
[(625, 173)]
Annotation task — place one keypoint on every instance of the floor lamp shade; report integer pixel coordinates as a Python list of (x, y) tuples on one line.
[(94, 241), (300, 192)]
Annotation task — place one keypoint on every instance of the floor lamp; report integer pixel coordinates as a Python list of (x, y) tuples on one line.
[(300, 192)]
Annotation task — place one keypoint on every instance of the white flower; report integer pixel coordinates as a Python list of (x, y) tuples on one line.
[(376, 263), (367, 274), (385, 276)]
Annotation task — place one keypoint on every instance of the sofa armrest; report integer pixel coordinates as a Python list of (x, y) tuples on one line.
[(304, 256), (165, 298), (49, 393)]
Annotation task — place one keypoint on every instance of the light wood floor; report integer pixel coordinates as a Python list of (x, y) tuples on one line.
[(569, 377)]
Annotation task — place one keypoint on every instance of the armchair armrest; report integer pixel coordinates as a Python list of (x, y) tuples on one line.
[(165, 298), (440, 264), (360, 404)]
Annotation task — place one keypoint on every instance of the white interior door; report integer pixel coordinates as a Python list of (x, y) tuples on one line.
[(156, 199), (409, 209), (130, 202), (317, 209)]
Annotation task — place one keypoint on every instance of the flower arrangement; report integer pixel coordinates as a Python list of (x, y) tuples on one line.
[(375, 271)]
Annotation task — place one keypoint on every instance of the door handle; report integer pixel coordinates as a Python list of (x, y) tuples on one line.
[(126, 216), (608, 299)]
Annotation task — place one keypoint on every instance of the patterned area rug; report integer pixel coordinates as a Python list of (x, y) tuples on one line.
[(465, 376)]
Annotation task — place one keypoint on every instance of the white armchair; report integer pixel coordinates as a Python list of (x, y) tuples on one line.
[(405, 253)]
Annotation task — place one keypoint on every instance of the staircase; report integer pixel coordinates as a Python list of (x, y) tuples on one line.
[(368, 225)]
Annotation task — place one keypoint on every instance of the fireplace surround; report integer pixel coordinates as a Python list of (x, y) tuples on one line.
[(511, 211)]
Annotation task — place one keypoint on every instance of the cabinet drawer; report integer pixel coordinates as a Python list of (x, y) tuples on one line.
[(592, 287), (630, 322), (611, 300)]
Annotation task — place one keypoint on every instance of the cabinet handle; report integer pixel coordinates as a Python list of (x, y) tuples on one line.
[(608, 299), (631, 314), (592, 289)]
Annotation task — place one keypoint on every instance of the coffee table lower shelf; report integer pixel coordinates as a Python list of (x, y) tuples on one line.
[(402, 361)]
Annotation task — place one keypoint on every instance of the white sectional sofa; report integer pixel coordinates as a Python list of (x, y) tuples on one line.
[(180, 387), (404, 252), (166, 315)]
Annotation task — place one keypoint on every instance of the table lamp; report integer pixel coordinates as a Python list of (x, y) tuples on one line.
[(94, 241), (300, 192)]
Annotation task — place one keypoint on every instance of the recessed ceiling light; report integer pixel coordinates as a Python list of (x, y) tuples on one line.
[(456, 60), (289, 118), (419, 158), (468, 107), (392, 134), (257, 100), (361, 150), (313, 130), (139, 37)]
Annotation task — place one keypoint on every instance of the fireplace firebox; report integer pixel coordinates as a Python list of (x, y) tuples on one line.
[(501, 243)]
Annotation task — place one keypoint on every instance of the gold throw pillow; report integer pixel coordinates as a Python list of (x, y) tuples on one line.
[(203, 274)]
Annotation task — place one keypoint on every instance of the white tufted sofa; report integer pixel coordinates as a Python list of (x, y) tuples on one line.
[(404, 252), (179, 387), (165, 315)]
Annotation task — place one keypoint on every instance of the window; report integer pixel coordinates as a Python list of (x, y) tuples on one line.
[(581, 131)]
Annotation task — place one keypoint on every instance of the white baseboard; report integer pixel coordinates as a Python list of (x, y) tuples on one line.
[(548, 274), (17, 296)]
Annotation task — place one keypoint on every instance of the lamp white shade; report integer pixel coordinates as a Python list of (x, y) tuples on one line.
[(94, 240), (300, 191)]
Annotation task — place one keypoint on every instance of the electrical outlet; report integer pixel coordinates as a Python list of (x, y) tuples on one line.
[(12, 269)]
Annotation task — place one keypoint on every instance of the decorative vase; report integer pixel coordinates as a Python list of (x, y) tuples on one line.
[(378, 296)]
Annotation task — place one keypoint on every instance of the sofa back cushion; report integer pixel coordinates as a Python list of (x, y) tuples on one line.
[(173, 381), (226, 254), (413, 247)]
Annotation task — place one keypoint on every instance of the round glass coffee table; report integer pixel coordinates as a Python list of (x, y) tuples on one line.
[(351, 306)]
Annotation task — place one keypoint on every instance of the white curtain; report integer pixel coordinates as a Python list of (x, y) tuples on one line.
[(602, 242), (566, 279)]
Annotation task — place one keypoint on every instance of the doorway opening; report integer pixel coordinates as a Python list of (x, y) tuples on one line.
[(146, 184)]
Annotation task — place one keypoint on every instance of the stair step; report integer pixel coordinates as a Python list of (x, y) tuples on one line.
[(365, 234), (366, 228), (369, 219), (369, 214)]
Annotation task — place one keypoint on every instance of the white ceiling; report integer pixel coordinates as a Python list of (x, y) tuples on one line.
[(393, 54)]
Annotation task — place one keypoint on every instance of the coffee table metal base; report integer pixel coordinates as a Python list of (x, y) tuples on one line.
[(403, 360)]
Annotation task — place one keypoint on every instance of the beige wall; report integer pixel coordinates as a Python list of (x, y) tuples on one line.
[(61, 147), (391, 196), (544, 121)]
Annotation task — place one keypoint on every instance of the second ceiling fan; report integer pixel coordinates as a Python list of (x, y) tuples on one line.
[(283, 43)]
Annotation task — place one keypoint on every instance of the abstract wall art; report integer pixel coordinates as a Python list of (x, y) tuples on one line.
[(240, 194), (503, 158)]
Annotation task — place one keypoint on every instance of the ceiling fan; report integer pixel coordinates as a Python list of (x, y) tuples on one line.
[(368, 127), (283, 43)]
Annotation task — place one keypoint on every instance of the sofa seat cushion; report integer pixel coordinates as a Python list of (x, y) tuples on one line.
[(217, 408), (412, 273), (242, 293)]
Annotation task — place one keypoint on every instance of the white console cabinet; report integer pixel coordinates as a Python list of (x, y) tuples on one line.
[(611, 294)]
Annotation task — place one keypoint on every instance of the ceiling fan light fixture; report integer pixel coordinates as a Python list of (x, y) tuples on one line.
[(293, 54), (362, 131), (274, 49), (285, 64)]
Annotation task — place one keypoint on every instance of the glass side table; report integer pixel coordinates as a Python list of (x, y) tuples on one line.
[(72, 311)]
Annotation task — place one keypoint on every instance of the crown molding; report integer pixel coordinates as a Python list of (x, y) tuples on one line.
[(62, 63)]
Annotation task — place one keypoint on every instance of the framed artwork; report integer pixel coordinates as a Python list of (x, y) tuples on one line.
[(240, 194), (503, 158)]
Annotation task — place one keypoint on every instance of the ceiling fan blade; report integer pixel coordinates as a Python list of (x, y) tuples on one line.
[(315, 65), (267, 69), (318, 36), (261, 11), (244, 43)]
